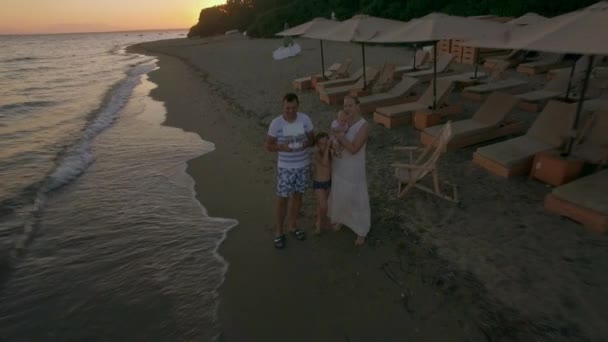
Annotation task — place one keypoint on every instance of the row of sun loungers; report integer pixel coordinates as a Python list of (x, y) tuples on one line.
[(401, 114), (391, 95)]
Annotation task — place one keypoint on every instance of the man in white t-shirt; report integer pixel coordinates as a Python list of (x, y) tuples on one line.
[(291, 135)]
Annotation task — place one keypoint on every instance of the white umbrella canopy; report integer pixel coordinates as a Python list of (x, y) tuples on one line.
[(580, 32), (529, 18), (438, 26), (359, 28), (318, 24)]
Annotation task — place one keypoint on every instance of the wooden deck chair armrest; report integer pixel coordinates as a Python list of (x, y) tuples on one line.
[(408, 166)]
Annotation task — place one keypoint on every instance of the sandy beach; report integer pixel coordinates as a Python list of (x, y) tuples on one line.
[(496, 267)]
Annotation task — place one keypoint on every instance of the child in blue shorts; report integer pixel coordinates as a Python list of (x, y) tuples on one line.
[(321, 184)]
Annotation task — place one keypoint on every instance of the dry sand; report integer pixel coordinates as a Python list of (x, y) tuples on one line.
[(496, 267)]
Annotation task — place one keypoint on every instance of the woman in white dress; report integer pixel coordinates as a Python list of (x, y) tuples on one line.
[(349, 200)]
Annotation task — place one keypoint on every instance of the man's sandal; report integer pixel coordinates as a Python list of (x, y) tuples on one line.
[(279, 241), (300, 235)]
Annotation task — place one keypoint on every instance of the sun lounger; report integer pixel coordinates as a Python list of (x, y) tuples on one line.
[(514, 157), (512, 59), (465, 79), (544, 64), (399, 93), (489, 122), (443, 65), (579, 68), (305, 82), (383, 81), (352, 79), (468, 79), (479, 92), (401, 114), (335, 95), (340, 72), (592, 144), (534, 101), (422, 60), (411, 174), (583, 200)]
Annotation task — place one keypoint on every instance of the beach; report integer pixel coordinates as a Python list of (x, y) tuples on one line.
[(494, 267)]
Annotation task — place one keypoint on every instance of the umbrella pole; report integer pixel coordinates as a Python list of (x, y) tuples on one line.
[(434, 76), (322, 61), (364, 71), (579, 107), (476, 64), (414, 65), (570, 81)]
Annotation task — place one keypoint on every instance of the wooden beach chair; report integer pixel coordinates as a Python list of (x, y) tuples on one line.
[(421, 62), (514, 157), (489, 122), (545, 63), (383, 82), (401, 92), (583, 200), (335, 95), (411, 175), (444, 62), (467, 79), (401, 114), (352, 79)]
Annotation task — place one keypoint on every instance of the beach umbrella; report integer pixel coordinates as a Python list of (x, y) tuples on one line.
[(317, 24), (529, 18), (579, 32), (358, 29), (437, 26)]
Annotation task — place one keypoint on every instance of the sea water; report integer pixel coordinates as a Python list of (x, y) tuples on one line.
[(101, 237)]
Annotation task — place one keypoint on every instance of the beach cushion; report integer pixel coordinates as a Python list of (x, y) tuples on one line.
[(588, 192), (538, 95), (443, 63), (496, 86), (513, 151), (466, 76), (400, 108), (495, 109), (460, 128), (370, 74), (593, 146), (400, 89), (444, 88), (352, 79), (553, 123)]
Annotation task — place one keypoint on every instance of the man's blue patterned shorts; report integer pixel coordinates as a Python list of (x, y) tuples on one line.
[(290, 181)]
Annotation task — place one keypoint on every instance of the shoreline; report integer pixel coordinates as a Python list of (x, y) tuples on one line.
[(400, 286)]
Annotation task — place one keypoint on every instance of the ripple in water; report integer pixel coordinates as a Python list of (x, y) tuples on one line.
[(125, 252)]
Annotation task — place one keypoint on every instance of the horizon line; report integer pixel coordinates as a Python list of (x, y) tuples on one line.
[(89, 32)]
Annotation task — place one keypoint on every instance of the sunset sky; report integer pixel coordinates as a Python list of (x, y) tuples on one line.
[(55, 16)]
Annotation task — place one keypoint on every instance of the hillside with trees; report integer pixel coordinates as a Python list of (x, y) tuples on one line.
[(264, 18)]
